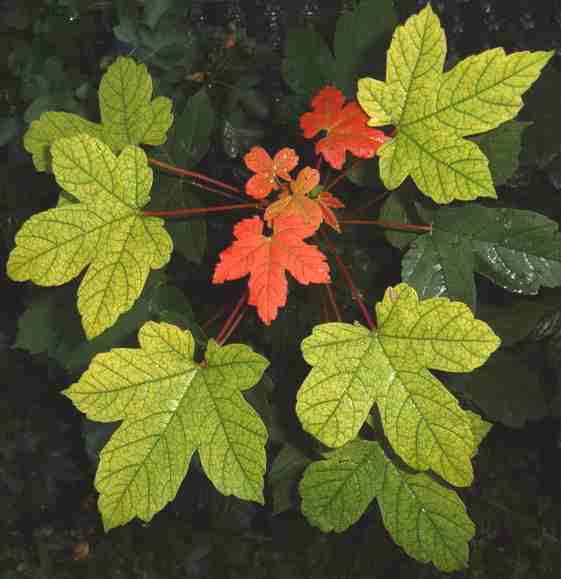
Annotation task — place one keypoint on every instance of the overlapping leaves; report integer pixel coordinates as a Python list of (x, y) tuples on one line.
[(353, 368), (172, 406), (432, 110), (428, 520), (106, 231), (129, 115)]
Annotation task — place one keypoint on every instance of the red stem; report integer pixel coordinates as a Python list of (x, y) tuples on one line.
[(199, 210), (388, 224), (186, 173), (332, 301), (349, 280), (234, 325), (342, 175), (220, 337), (370, 203), (217, 191), (214, 317)]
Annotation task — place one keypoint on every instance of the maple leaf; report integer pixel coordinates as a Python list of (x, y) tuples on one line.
[(298, 203), (129, 115), (433, 110), (326, 202), (106, 231), (346, 127), (171, 407), (267, 170), (267, 258)]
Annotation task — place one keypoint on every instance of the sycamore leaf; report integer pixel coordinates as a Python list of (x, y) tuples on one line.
[(479, 427), (346, 128), (354, 367), (336, 492), (267, 258), (128, 116), (327, 202), (267, 170), (128, 113), (171, 407), (298, 204), (516, 249), (106, 231), (432, 110), (429, 521)]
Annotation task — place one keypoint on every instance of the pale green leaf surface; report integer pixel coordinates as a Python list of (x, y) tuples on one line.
[(106, 230), (336, 492), (51, 126), (128, 113), (353, 368), (479, 427), (171, 406), (432, 110), (428, 520), (437, 332)]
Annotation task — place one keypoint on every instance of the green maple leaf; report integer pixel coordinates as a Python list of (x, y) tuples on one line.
[(428, 520), (172, 406), (128, 115), (353, 368), (516, 249), (106, 231), (433, 110)]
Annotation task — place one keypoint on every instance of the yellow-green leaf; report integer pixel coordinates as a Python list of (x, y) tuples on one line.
[(336, 492), (428, 520), (171, 407), (51, 126), (105, 230), (432, 110), (128, 113), (353, 368)]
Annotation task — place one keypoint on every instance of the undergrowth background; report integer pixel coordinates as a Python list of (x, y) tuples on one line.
[(56, 52)]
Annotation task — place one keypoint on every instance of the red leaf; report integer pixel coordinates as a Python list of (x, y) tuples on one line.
[(298, 203), (267, 169), (326, 202), (267, 258), (346, 126)]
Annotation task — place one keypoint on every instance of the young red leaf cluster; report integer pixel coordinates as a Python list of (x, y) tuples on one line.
[(346, 127), (300, 208)]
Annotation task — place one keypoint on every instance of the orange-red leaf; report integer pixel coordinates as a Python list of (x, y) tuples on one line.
[(346, 127), (267, 170), (326, 202), (267, 259), (298, 203)]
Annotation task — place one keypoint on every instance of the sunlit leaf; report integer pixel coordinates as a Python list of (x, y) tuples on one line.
[(432, 110), (106, 231), (353, 367), (172, 406)]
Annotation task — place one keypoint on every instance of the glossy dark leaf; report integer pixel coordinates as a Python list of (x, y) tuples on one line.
[(357, 35), (516, 249)]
